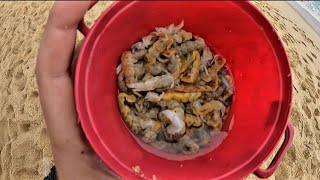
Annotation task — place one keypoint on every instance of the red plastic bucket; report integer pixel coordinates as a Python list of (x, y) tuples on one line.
[(254, 54)]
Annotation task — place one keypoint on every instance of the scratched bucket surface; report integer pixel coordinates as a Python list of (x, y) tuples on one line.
[(256, 59)]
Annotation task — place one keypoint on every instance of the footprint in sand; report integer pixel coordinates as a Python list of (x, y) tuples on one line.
[(14, 65), (304, 59), (311, 87), (292, 153), (316, 112), (12, 129), (293, 54), (316, 96), (307, 153), (303, 86), (308, 71), (315, 164), (311, 59), (20, 80), (24, 127), (295, 117), (313, 55), (282, 173), (312, 96), (307, 111), (9, 112), (21, 110), (288, 39), (34, 95), (305, 107), (295, 29), (308, 100), (317, 125), (282, 27), (293, 39), (299, 74)]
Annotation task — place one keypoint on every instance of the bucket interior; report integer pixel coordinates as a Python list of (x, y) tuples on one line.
[(235, 30)]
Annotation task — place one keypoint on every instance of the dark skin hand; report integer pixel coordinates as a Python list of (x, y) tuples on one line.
[(73, 157)]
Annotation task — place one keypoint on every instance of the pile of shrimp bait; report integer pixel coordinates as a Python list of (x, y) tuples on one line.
[(173, 91)]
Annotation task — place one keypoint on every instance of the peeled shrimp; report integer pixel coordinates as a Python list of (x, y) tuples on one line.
[(152, 132), (174, 66), (131, 120), (177, 38), (214, 120), (121, 83), (190, 46), (185, 63), (163, 60), (186, 36), (205, 58), (170, 104), (182, 36), (179, 111), (150, 114), (153, 97), (146, 42), (209, 107), (169, 53), (170, 29), (146, 77), (153, 83), (227, 82), (149, 40), (127, 61), (177, 125), (164, 42), (138, 46), (193, 75), (192, 120), (157, 68), (192, 88), (181, 97), (138, 70), (213, 73), (126, 97), (139, 54), (174, 62), (142, 106)]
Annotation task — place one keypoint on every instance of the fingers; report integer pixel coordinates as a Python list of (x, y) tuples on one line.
[(56, 92), (54, 82)]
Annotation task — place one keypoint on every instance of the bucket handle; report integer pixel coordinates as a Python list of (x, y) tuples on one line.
[(265, 173), (82, 27)]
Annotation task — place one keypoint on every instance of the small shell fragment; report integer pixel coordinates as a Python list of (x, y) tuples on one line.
[(136, 169)]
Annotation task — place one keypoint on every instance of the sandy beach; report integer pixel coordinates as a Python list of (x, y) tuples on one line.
[(24, 145)]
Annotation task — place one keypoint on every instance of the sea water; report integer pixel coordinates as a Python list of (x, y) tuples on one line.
[(313, 7), (310, 11)]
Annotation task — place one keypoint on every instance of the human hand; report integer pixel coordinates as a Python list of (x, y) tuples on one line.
[(73, 156)]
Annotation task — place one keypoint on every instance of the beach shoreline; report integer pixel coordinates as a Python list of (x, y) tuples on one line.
[(309, 18)]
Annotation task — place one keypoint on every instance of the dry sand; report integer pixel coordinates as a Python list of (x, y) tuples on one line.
[(24, 147)]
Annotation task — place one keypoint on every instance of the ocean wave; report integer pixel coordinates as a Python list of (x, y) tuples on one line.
[(313, 7)]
